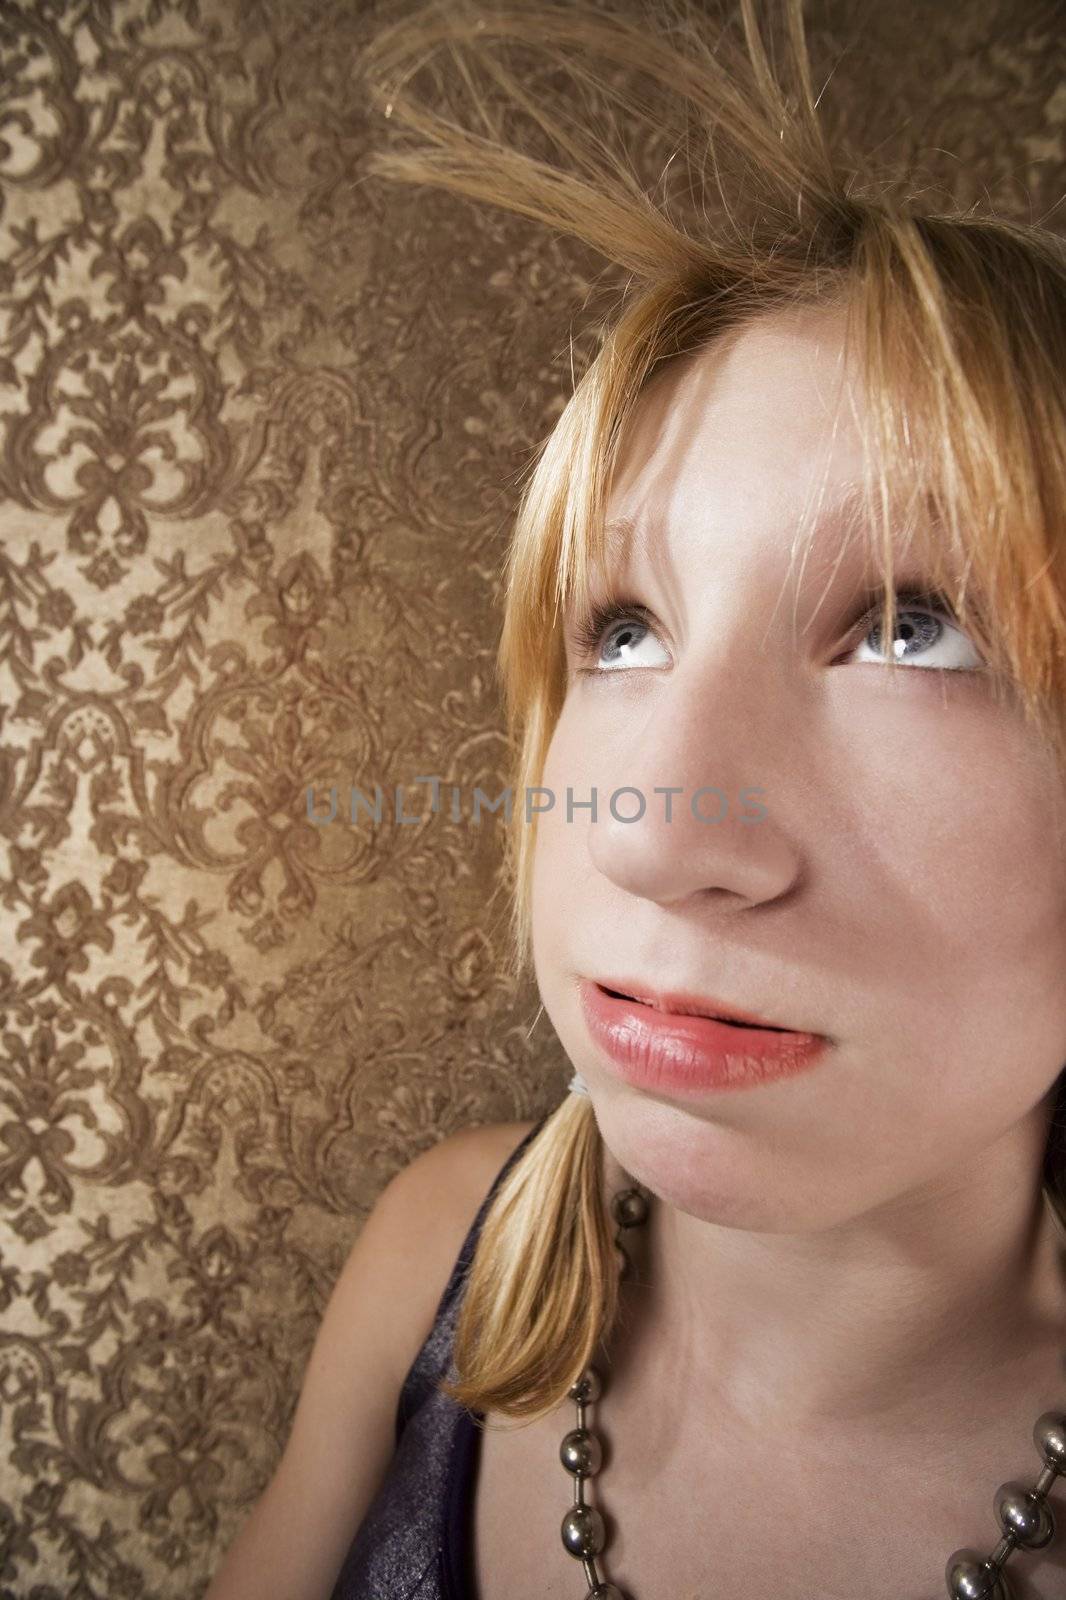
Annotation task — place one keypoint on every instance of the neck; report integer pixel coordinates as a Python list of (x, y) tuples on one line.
[(892, 1321)]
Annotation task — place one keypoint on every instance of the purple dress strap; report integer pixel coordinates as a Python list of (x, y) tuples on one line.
[(415, 1539)]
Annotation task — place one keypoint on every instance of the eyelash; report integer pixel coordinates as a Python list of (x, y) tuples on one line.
[(588, 631)]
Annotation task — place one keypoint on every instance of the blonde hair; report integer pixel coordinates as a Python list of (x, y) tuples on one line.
[(959, 324)]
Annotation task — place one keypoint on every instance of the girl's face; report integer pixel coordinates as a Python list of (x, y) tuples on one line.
[(904, 894)]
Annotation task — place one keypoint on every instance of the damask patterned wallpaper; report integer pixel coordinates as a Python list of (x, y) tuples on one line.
[(261, 431)]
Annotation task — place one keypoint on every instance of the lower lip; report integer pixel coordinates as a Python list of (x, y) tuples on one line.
[(689, 1055)]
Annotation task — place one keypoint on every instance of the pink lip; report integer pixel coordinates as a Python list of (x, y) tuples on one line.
[(683, 1005), (688, 1055)]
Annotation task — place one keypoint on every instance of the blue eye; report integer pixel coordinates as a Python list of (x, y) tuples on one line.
[(618, 625), (925, 635)]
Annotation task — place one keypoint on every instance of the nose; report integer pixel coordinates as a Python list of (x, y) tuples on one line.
[(727, 835)]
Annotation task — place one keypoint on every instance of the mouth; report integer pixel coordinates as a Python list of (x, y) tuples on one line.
[(692, 1006), (680, 1043)]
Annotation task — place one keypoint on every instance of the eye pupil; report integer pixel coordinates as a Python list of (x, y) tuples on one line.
[(926, 632), (609, 628)]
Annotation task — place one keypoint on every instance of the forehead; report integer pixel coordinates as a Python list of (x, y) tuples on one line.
[(761, 415), (759, 429)]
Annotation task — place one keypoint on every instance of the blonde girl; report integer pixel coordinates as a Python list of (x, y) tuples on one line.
[(771, 1305)]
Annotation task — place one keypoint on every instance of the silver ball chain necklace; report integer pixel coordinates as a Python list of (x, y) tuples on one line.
[(1024, 1518)]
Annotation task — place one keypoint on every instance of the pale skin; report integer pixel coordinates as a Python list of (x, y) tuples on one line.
[(852, 1308)]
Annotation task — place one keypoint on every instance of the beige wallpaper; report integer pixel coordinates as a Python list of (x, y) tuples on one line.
[(261, 430)]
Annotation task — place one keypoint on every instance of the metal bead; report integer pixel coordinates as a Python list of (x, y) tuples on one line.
[(581, 1452), (587, 1388), (1018, 1511), (630, 1208), (1049, 1436), (583, 1532), (969, 1577)]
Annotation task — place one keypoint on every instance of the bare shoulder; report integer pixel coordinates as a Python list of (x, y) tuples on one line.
[(430, 1205), (462, 1160), (379, 1313), (479, 1150)]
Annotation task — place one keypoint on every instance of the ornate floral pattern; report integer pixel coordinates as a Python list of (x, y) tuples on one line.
[(260, 430)]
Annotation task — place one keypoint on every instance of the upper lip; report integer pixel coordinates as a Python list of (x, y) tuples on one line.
[(686, 1005)]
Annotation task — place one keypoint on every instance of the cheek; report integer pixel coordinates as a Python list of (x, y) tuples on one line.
[(566, 766), (955, 882), (960, 810), (561, 864)]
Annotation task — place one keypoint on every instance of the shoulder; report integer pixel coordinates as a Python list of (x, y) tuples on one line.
[(481, 1151), (423, 1216), (465, 1162)]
